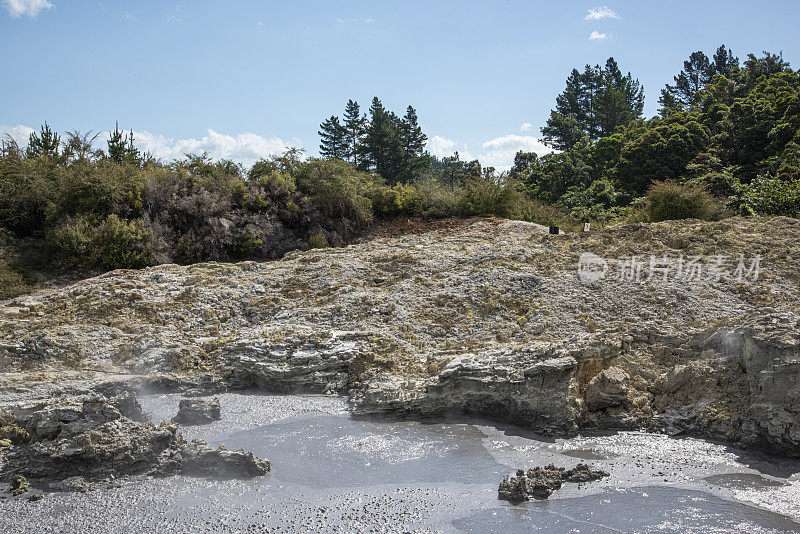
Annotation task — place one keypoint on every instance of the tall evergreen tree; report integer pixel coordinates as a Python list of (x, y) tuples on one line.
[(354, 123), (593, 104), (619, 101), (698, 71), (121, 148), (413, 142), (44, 143), (383, 143), (724, 62), (696, 74), (669, 104), (333, 139)]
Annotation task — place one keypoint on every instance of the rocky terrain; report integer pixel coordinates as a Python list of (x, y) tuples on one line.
[(484, 317)]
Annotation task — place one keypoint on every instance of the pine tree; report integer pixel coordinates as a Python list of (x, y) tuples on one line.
[(383, 144), (413, 141), (669, 104), (724, 62), (333, 139), (696, 74), (44, 143), (594, 103), (619, 101), (121, 149), (354, 123), (698, 71), (573, 107)]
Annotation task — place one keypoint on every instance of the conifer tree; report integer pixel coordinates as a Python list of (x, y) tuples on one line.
[(724, 62), (619, 101), (669, 104), (44, 143), (698, 71), (383, 144), (121, 149), (593, 104), (354, 123), (333, 139), (696, 74), (413, 141)]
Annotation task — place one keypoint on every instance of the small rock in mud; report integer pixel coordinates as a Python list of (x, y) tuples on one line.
[(200, 459), (198, 411), (76, 483), (541, 482)]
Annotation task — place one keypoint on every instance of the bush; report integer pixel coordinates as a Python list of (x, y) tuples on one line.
[(113, 244), (600, 201), (670, 201), (487, 197), (317, 240), (337, 190), (12, 280), (769, 196), (423, 198)]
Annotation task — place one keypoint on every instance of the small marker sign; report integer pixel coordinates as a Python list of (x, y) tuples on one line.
[(585, 227)]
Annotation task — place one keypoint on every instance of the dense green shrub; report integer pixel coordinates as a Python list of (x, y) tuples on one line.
[(670, 201), (659, 153), (487, 197), (600, 201), (337, 190), (12, 280), (769, 196), (113, 244)]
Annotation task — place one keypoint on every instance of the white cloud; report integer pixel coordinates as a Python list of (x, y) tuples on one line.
[(28, 8), (598, 13), (595, 35), (500, 151), (526, 126), (18, 133), (355, 20), (244, 148), (442, 147)]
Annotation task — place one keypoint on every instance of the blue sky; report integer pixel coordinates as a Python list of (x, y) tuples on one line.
[(241, 78)]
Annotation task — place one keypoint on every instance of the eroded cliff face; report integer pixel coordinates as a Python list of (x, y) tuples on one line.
[(485, 317)]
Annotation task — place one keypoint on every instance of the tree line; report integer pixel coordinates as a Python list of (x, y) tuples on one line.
[(728, 131), (383, 142)]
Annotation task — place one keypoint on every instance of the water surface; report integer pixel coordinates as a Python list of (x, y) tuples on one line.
[(333, 473)]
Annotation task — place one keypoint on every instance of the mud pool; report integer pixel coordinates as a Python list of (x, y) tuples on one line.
[(333, 473)]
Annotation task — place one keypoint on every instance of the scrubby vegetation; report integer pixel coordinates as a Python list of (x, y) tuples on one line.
[(726, 141), (727, 136), (93, 210)]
